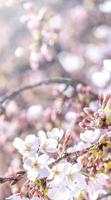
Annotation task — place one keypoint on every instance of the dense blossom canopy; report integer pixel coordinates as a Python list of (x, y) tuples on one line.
[(55, 100)]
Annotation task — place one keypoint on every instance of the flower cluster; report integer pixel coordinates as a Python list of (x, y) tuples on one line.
[(58, 169), (35, 151)]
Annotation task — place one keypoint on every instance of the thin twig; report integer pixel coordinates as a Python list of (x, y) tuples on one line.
[(13, 179), (66, 155), (19, 175), (21, 89)]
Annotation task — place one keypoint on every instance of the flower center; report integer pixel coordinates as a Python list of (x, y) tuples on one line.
[(70, 176), (36, 165)]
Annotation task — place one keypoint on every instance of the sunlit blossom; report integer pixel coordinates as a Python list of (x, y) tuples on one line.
[(36, 166), (29, 146)]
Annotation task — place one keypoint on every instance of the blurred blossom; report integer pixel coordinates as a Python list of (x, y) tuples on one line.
[(93, 105), (55, 23), (28, 6), (9, 130), (79, 14), (105, 7), (15, 165), (35, 59), (47, 52), (71, 116), (10, 2), (19, 52), (71, 62), (107, 65), (12, 109), (94, 52), (101, 78), (34, 113), (33, 24), (103, 32), (24, 18)]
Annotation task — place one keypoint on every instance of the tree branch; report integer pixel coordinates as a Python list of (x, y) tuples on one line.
[(21, 89), (13, 179), (104, 196), (72, 156), (19, 175)]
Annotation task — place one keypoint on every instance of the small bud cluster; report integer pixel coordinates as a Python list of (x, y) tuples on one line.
[(102, 117)]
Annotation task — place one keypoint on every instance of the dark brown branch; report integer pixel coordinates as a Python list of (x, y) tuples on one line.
[(19, 175), (13, 179), (21, 89), (104, 196)]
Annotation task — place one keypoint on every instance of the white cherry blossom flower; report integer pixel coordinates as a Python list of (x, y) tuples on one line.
[(29, 146), (34, 113), (17, 197), (87, 139), (90, 136), (76, 183), (57, 174), (60, 193), (96, 186), (56, 134), (73, 177), (68, 176), (47, 144), (36, 166), (82, 146)]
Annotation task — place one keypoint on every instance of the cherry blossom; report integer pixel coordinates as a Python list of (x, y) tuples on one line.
[(29, 146), (57, 174), (47, 144), (60, 193), (90, 136), (56, 134), (95, 186), (17, 197), (75, 181), (36, 166)]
